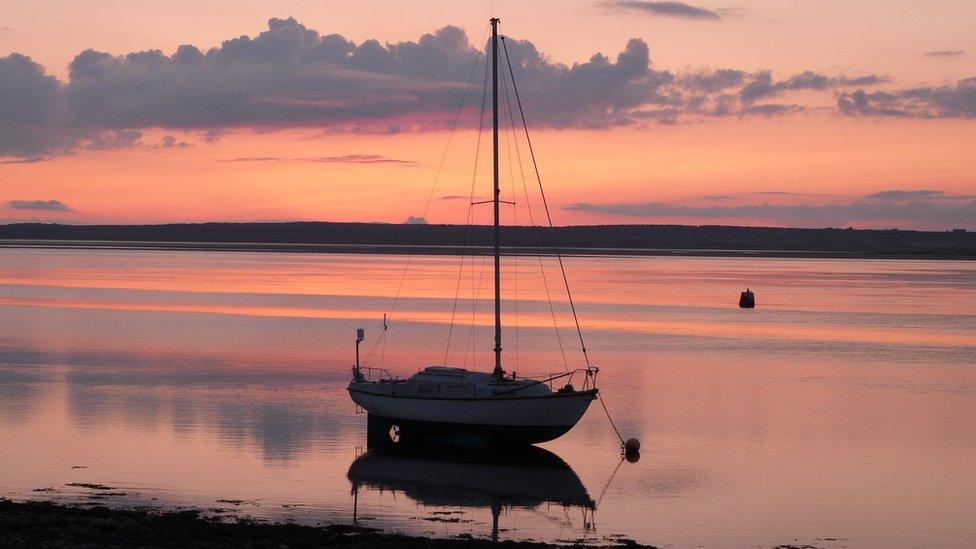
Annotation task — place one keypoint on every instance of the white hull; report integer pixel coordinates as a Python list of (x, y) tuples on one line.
[(554, 410), (511, 418)]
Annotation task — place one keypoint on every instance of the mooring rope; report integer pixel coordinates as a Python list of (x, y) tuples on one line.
[(612, 424), (609, 481)]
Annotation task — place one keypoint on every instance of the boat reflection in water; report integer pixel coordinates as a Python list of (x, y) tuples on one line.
[(479, 478)]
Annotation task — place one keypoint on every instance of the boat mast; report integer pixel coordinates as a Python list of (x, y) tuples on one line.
[(498, 372)]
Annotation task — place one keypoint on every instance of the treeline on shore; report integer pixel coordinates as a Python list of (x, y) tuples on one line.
[(885, 243)]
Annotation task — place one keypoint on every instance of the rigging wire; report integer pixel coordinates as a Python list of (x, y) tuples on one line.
[(440, 170), (515, 227), (535, 233), (545, 203), (559, 257), (383, 348), (469, 348), (467, 228), (475, 298)]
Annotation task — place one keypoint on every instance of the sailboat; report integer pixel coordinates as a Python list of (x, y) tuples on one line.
[(494, 407)]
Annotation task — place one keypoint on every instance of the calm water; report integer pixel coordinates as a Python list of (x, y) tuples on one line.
[(841, 412)]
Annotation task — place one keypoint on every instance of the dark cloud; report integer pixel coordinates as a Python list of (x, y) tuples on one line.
[(945, 53), (414, 220), (214, 135), (869, 80), (286, 76), (342, 159), (460, 197), (46, 205), (597, 94), (290, 76), (902, 195), (924, 208), (771, 109), (923, 214), (25, 160), (950, 101), (360, 159), (32, 111), (663, 9), (760, 193), (728, 92), (257, 159), (170, 142), (763, 85), (113, 139), (711, 81), (732, 13), (666, 115)]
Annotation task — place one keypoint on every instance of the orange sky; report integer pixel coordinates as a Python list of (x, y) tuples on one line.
[(815, 158)]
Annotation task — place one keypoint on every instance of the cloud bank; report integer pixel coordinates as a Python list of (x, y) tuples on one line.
[(920, 208), (663, 9), (342, 159), (945, 53), (45, 205), (290, 76), (949, 101)]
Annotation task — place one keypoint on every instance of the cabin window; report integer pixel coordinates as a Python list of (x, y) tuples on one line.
[(455, 389), (429, 389)]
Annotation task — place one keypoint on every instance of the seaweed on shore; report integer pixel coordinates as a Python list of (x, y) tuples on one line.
[(48, 524), (90, 486), (239, 502)]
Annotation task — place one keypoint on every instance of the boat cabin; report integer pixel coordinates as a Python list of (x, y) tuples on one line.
[(448, 382)]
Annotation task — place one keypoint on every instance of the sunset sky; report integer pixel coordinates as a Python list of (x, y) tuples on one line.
[(780, 113)]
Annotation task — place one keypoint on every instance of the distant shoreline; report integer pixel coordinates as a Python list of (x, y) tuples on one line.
[(383, 249), (595, 240)]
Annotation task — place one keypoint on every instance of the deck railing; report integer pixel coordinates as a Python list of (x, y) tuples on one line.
[(588, 382), (372, 375)]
